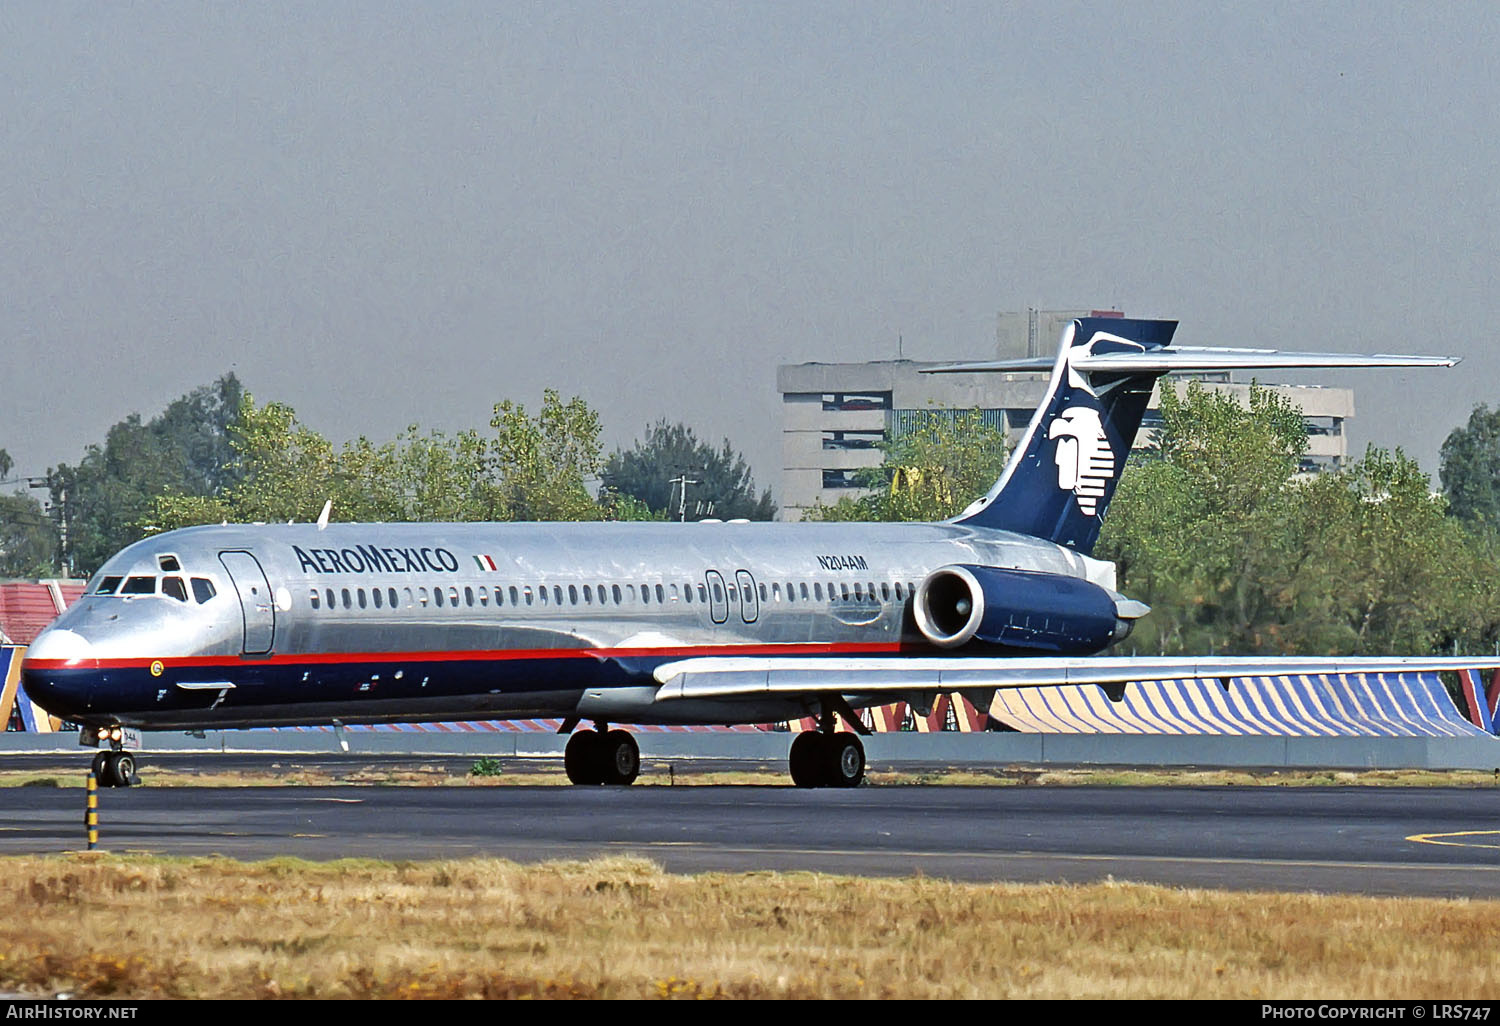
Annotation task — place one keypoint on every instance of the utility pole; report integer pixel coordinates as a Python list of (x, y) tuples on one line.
[(683, 481), (63, 560)]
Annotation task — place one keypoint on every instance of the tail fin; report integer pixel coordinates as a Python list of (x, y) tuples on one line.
[(1060, 479)]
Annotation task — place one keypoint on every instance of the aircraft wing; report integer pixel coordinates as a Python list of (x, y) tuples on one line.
[(757, 676)]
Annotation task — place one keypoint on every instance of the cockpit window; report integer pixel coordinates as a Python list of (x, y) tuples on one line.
[(108, 586), (174, 587), (139, 586), (203, 589), (169, 564)]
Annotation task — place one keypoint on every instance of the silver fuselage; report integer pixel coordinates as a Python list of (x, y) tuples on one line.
[(391, 622)]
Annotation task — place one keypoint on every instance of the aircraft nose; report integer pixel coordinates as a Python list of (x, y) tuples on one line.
[(61, 647), (57, 671)]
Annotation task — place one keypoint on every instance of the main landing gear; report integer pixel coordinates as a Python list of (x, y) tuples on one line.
[(828, 757), (602, 756), (115, 769)]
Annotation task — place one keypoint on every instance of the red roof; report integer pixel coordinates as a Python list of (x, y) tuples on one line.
[(27, 606)]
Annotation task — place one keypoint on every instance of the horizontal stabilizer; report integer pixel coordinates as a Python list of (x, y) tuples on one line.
[(752, 676), (1198, 358)]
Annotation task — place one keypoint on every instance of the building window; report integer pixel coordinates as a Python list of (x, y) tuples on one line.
[(841, 440), (841, 401), (841, 479)]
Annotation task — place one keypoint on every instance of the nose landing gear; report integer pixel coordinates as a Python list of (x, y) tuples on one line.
[(115, 769)]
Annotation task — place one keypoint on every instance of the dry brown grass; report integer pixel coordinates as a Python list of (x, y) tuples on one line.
[(139, 927), (658, 774)]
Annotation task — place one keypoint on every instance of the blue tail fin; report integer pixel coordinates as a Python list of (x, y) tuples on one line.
[(1060, 480)]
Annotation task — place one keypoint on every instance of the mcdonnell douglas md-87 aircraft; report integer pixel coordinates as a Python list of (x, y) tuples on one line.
[(657, 623)]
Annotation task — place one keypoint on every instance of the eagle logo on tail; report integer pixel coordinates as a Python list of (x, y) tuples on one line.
[(1085, 462)]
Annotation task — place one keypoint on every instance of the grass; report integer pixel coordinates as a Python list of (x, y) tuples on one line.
[(146, 927)]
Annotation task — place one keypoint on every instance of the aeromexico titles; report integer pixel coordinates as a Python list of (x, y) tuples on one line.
[(659, 623)]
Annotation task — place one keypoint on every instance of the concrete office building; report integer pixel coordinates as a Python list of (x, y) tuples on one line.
[(834, 414)]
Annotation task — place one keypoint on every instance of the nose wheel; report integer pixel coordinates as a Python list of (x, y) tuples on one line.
[(115, 769)]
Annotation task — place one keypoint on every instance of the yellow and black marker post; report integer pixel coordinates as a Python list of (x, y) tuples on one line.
[(91, 816)]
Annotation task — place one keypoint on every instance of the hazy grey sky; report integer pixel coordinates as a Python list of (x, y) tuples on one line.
[(385, 214)]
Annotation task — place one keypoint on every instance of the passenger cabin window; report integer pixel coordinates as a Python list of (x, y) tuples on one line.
[(437, 596), (174, 587), (377, 596), (660, 594), (329, 594), (359, 594), (312, 598), (139, 586), (108, 586), (390, 594)]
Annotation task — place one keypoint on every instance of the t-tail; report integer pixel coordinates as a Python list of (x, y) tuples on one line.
[(1063, 474)]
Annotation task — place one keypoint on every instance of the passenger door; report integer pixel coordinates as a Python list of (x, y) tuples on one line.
[(256, 602), (749, 600)]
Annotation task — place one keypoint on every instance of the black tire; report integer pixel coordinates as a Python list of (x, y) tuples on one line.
[(104, 776), (806, 761), (123, 769), (620, 758), (581, 759), (844, 760)]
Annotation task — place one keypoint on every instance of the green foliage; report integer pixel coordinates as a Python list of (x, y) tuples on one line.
[(28, 538), (487, 767), (724, 486), (542, 464), (1470, 467), (111, 491), (930, 473), (533, 468), (1234, 553)]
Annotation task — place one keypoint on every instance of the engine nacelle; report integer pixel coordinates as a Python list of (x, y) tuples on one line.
[(1018, 608)]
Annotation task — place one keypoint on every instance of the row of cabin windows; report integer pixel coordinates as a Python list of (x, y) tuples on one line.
[(599, 594)]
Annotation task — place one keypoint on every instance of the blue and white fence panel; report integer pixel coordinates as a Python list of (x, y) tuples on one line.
[(1346, 705)]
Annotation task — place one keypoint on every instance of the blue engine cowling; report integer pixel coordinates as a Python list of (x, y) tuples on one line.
[(1016, 608)]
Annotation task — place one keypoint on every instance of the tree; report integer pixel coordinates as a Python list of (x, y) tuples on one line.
[(1235, 553), (532, 469), (28, 538), (1470, 467), (722, 483), (931, 472), (185, 450), (1192, 525)]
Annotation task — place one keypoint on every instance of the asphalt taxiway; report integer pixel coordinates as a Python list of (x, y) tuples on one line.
[(1369, 840)]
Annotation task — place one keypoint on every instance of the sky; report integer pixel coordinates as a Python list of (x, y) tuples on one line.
[(387, 214)]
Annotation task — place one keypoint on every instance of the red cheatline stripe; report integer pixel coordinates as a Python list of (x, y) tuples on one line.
[(485, 655)]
